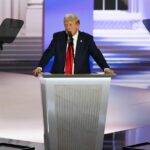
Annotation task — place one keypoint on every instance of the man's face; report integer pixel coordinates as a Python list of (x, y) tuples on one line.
[(71, 26)]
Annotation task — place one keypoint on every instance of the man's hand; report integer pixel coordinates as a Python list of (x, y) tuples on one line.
[(37, 71), (109, 72)]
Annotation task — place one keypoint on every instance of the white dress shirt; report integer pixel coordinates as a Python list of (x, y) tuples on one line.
[(75, 38)]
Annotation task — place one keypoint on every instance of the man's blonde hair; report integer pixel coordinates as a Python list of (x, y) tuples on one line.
[(71, 17)]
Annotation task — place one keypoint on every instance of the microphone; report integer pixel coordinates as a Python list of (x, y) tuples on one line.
[(70, 39)]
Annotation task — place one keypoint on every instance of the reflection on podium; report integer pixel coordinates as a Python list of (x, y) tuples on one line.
[(74, 109)]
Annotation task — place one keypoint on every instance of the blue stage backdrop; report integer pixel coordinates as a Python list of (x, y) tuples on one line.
[(54, 11)]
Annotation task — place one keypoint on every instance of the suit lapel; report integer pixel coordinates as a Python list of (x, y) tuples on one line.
[(62, 45), (79, 45), (64, 42)]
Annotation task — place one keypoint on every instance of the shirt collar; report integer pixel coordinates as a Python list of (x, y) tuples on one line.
[(76, 35)]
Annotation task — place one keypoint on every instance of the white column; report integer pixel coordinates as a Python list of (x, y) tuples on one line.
[(23, 9), (34, 17), (116, 4), (133, 6), (23, 4), (6, 10), (15, 9), (144, 8), (141, 6), (103, 5), (129, 5), (34, 20)]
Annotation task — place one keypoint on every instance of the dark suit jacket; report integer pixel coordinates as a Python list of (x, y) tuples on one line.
[(85, 47)]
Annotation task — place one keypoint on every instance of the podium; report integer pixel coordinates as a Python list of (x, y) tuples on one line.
[(74, 109)]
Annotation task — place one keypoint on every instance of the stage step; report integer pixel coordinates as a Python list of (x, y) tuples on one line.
[(126, 51), (22, 55)]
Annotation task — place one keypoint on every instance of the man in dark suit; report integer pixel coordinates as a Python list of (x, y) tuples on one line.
[(83, 47)]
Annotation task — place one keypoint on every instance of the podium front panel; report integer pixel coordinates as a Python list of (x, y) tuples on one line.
[(74, 112)]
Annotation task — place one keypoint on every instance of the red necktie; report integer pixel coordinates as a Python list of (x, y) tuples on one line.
[(69, 59)]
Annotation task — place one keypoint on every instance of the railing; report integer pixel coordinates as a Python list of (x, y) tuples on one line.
[(113, 4)]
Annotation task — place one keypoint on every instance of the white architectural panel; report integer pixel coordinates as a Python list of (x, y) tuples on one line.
[(26, 10)]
